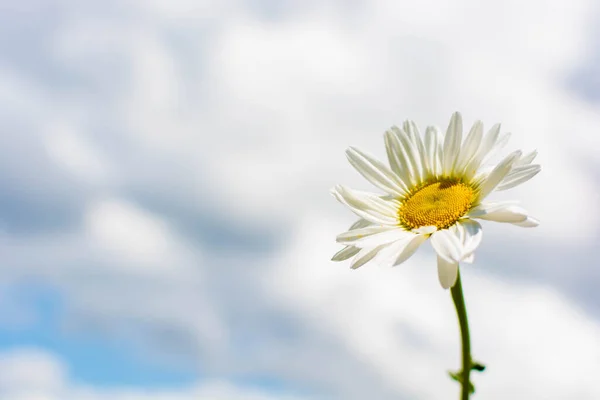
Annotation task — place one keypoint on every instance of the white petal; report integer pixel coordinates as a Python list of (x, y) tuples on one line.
[(354, 235), (470, 146), (364, 256), (488, 142), (515, 178), (410, 154), (482, 174), (382, 237), (458, 231), (379, 204), (398, 159), (469, 259), (521, 169), (510, 213), (392, 155), (431, 147), (366, 206), (485, 208), (408, 247), (530, 222), (471, 236), (375, 172), (526, 159), (497, 174), (447, 272), (361, 223), (440, 150), (345, 253), (426, 230), (500, 143), (413, 130), (384, 204), (446, 245), (452, 142)]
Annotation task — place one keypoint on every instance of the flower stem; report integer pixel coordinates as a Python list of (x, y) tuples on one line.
[(461, 311)]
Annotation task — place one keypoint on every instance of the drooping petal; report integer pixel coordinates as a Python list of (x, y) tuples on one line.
[(425, 230), (447, 272), (470, 259), (375, 172), (470, 235), (345, 253), (446, 245)]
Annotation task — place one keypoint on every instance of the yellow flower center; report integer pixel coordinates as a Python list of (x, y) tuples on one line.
[(440, 204)]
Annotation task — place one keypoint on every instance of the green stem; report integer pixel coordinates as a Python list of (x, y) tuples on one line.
[(461, 311)]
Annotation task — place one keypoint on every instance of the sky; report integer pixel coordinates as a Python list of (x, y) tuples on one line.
[(165, 218)]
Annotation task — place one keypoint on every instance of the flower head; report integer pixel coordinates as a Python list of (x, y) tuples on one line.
[(435, 189)]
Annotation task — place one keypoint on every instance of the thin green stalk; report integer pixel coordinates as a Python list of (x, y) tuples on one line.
[(461, 311)]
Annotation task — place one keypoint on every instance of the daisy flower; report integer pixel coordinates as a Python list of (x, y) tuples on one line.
[(435, 189)]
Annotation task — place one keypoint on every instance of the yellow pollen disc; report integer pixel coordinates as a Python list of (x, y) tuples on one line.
[(440, 204)]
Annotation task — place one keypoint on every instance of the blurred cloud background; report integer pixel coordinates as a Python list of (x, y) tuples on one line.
[(165, 221)]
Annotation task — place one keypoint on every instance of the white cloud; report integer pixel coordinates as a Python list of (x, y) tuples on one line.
[(33, 374), (31, 369), (143, 240), (71, 149)]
